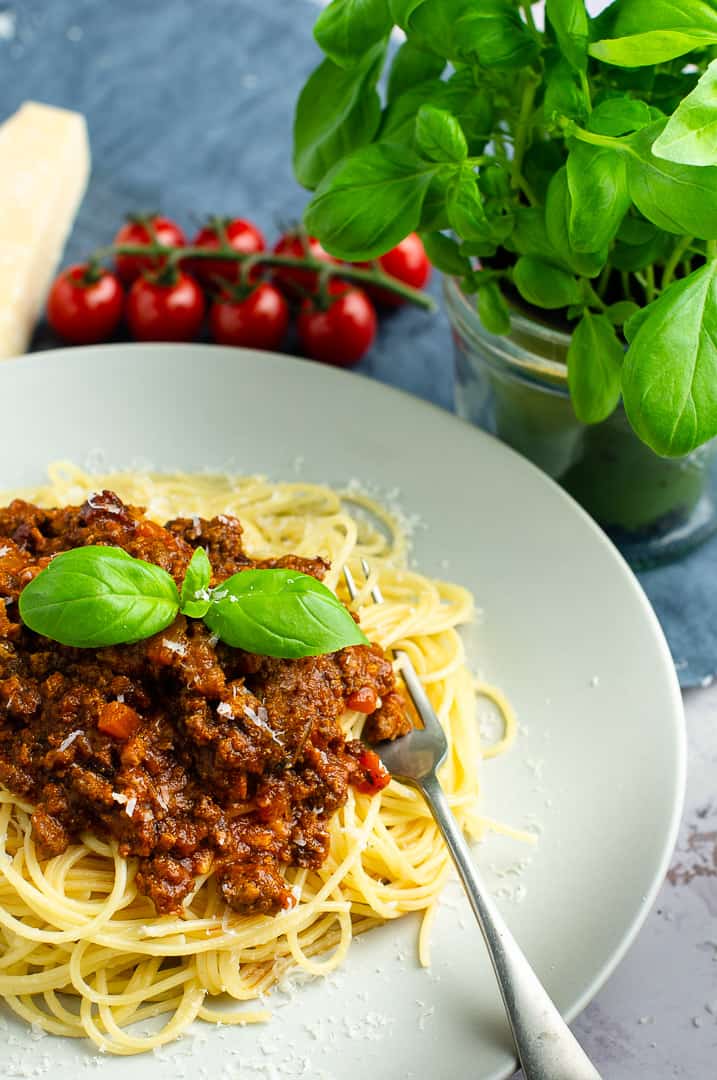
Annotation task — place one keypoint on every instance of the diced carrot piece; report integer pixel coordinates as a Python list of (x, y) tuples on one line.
[(118, 720)]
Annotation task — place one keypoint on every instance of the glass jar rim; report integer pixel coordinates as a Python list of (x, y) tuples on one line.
[(517, 353)]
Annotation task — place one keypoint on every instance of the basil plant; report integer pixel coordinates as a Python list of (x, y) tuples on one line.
[(571, 168)]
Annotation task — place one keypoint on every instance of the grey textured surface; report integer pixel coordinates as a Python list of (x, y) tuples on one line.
[(657, 1015), (189, 107)]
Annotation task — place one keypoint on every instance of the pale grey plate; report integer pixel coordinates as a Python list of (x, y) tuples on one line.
[(566, 631)]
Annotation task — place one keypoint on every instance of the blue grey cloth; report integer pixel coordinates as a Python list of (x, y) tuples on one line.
[(190, 108)]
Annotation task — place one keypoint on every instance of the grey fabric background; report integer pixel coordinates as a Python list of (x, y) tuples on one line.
[(190, 106)]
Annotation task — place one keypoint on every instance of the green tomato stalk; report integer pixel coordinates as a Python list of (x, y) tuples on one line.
[(171, 257)]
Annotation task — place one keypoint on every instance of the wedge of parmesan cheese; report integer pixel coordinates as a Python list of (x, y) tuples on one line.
[(44, 168)]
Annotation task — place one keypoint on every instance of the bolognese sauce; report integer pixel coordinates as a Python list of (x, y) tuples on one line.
[(193, 756)]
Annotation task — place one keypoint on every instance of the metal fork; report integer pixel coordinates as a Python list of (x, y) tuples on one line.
[(547, 1049)]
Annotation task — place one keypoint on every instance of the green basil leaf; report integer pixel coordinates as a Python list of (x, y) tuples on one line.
[(634, 323), (281, 613), (445, 254), (95, 596), (636, 16), (471, 105), (690, 137), (465, 206), (194, 598), (458, 95), (680, 199), (619, 116), (439, 135), (599, 199), (337, 112), (669, 89), (484, 249), (669, 381), (558, 210), (636, 231), (347, 29), (411, 66), (542, 159), (491, 34), (370, 201), (434, 216), (569, 20), (621, 311), (545, 285), (653, 47), (401, 11), (399, 119), (494, 182), (530, 236), (634, 257), (492, 309), (594, 365), (564, 96)]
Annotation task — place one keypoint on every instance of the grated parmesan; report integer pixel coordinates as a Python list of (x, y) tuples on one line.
[(261, 719), (70, 739), (101, 504), (177, 647)]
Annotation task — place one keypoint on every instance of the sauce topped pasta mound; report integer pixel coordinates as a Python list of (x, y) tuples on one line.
[(194, 756)]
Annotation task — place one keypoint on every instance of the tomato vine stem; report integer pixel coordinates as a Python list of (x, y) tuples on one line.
[(361, 275)]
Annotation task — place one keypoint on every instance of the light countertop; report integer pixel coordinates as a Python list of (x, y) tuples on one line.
[(656, 1016)]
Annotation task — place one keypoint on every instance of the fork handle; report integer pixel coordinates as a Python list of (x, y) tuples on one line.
[(546, 1047)]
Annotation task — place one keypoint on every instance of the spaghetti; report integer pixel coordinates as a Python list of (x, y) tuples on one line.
[(83, 953)]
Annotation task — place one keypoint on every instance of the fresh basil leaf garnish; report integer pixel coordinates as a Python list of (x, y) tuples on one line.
[(92, 597), (95, 596), (194, 596), (281, 613)]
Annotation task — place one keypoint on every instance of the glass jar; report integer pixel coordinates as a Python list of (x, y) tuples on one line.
[(655, 509)]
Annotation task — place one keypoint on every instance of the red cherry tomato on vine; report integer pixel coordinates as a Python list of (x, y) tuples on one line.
[(298, 282), (344, 331), (407, 262), (240, 234), (257, 322), (165, 312), (139, 231), (85, 304)]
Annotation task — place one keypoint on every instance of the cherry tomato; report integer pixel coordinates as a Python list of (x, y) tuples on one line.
[(364, 700), (129, 267), (240, 234), (165, 312), (258, 322), (407, 262), (298, 281), (344, 331), (85, 305), (374, 776)]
